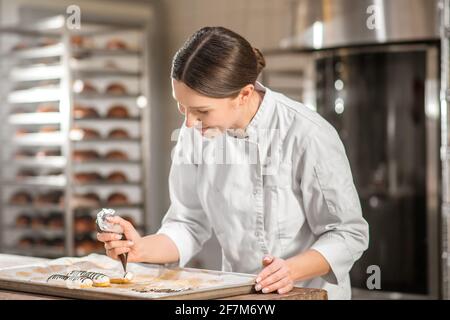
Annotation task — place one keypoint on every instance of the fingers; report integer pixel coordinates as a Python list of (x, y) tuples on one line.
[(286, 289), (128, 229), (114, 253), (118, 244), (105, 236), (273, 278), (267, 260), (283, 283), (271, 268)]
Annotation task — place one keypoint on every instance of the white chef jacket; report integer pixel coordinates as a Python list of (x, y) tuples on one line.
[(281, 187)]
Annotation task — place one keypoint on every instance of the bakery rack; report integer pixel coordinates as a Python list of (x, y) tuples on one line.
[(66, 151)]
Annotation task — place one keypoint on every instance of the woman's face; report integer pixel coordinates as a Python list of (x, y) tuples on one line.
[(205, 113)]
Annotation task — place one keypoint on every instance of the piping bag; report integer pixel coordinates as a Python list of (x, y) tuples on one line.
[(104, 226)]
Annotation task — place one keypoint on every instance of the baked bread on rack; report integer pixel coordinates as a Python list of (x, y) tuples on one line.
[(85, 155), (116, 88), (117, 198), (116, 155), (118, 134), (83, 112), (117, 177)]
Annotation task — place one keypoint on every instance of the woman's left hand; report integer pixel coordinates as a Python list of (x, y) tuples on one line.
[(276, 276)]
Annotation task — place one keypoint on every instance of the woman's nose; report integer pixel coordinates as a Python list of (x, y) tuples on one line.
[(191, 121)]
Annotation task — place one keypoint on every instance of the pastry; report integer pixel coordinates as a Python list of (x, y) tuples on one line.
[(85, 155), (116, 89), (21, 198), (38, 222), (21, 132), (81, 112), (87, 177), (70, 281), (55, 220), (118, 134), (25, 173), (117, 111), (116, 155), (49, 198), (115, 44), (84, 224), (23, 220), (117, 198), (86, 200), (49, 129), (98, 279), (48, 153), (84, 87), (126, 278), (26, 242), (47, 108), (84, 133), (20, 46), (44, 42), (21, 154), (117, 177)]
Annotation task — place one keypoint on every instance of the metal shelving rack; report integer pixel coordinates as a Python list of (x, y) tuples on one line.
[(64, 74), (445, 140)]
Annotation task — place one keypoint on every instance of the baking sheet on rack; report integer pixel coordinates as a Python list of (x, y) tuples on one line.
[(150, 281)]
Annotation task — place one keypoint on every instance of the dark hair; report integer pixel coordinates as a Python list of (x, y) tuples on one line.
[(217, 62)]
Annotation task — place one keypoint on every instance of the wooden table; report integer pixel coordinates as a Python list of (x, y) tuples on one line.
[(14, 260)]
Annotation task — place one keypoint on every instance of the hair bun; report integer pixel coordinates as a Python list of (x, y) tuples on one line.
[(261, 62)]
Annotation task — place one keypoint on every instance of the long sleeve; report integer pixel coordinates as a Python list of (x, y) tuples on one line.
[(185, 223), (331, 202)]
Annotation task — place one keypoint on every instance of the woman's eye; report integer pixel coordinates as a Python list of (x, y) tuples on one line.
[(203, 112)]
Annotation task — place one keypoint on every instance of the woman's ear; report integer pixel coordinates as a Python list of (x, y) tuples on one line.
[(245, 94)]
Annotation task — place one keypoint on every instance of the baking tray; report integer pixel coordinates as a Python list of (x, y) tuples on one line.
[(193, 283)]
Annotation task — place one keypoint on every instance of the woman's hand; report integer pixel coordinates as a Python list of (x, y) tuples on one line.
[(276, 276), (114, 246)]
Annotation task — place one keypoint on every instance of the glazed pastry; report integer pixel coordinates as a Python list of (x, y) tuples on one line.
[(55, 220), (87, 177), (20, 198), (118, 134), (85, 87), (70, 281), (84, 224), (98, 279), (86, 200), (117, 198), (117, 111), (116, 155), (20, 46), (38, 222), (81, 112), (22, 132), (85, 155), (49, 129), (47, 42), (25, 173), (23, 220), (48, 153), (116, 89), (126, 278), (52, 197), (117, 177), (47, 108), (116, 44), (84, 133), (21, 154), (26, 242)]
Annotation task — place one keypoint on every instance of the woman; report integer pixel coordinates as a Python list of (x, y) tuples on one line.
[(266, 174)]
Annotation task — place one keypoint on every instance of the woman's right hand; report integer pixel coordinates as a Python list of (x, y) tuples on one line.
[(114, 246)]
